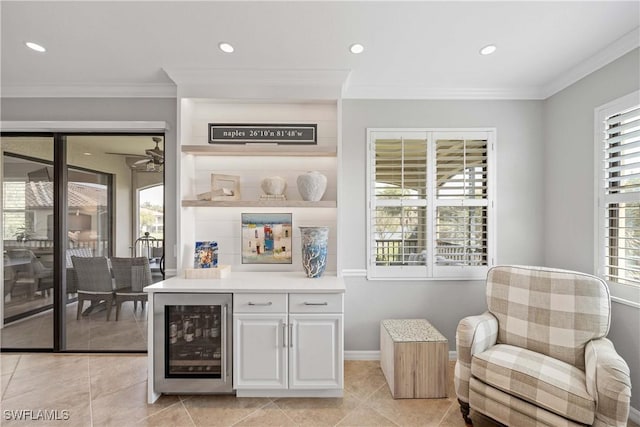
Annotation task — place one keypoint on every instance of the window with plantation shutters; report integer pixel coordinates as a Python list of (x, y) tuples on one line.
[(430, 204), (619, 208)]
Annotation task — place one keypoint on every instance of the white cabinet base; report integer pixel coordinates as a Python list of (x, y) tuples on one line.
[(290, 393)]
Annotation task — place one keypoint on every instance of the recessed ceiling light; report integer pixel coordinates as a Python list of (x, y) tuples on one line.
[(488, 50), (356, 48), (35, 46), (226, 47), (87, 154)]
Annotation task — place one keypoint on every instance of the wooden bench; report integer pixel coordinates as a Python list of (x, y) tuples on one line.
[(414, 358)]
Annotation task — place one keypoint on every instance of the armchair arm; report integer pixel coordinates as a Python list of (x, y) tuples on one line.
[(608, 382), (475, 334)]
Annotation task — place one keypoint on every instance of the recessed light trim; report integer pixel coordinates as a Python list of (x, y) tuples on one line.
[(35, 46), (356, 48), (488, 50), (226, 47)]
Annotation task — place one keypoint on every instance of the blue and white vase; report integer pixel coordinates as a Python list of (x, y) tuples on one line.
[(314, 250)]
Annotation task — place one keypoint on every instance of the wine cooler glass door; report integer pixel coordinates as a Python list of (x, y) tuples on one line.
[(195, 345), (192, 342)]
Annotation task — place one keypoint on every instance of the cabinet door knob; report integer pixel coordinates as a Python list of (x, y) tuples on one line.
[(260, 303), (316, 303)]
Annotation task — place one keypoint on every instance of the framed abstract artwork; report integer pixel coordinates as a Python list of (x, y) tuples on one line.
[(266, 238)]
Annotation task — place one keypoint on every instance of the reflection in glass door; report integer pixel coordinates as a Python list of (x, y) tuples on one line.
[(104, 174), (28, 244), (89, 210)]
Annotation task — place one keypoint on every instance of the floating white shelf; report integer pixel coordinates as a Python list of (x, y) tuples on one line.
[(257, 150), (259, 203)]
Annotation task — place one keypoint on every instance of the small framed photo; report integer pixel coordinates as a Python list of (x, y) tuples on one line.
[(266, 238), (225, 187), (205, 255)]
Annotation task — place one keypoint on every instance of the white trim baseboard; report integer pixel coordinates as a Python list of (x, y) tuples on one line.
[(362, 355), (375, 355)]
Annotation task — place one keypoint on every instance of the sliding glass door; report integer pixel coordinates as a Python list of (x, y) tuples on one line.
[(28, 244), (71, 199)]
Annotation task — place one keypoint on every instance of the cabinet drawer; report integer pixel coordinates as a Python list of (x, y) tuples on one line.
[(315, 303), (260, 303)]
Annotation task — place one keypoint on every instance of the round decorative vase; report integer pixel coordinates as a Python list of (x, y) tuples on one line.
[(314, 250), (274, 185), (312, 186)]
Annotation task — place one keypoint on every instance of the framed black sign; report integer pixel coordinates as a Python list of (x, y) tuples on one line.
[(304, 134)]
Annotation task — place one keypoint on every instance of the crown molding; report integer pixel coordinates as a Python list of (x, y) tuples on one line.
[(160, 90), (258, 83), (615, 50), (413, 92)]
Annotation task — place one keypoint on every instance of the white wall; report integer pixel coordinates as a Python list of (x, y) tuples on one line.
[(519, 200), (109, 109), (570, 194)]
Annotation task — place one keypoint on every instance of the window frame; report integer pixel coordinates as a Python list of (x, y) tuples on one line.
[(431, 271), (623, 291)]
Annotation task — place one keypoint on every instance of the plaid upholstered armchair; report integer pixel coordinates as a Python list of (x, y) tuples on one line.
[(539, 355)]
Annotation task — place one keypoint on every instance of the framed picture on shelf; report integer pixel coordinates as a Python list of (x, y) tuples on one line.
[(266, 238), (205, 255), (225, 187)]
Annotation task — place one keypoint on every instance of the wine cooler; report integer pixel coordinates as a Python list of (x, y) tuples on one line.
[(193, 355)]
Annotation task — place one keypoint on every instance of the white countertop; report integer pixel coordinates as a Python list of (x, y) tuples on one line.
[(245, 282)]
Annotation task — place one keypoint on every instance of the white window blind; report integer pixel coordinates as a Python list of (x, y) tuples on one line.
[(620, 196), (462, 200), (429, 198)]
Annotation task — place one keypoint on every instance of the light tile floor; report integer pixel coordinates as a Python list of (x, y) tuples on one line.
[(110, 390)]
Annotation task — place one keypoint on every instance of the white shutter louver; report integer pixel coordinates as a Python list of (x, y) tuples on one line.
[(399, 216), (621, 196), (462, 202)]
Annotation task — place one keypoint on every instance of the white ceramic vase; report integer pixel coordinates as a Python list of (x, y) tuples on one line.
[(312, 186), (274, 185)]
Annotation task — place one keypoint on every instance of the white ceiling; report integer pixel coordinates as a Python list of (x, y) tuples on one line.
[(412, 49)]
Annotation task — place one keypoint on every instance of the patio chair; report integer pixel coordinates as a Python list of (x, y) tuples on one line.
[(131, 276), (94, 282)]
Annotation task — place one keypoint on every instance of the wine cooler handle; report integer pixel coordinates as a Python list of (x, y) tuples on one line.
[(316, 303), (260, 303), (284, 335), (225, 344)]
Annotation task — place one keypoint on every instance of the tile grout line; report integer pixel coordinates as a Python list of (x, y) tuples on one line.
[(446, 413), (11, 377), (256, 410), (193, 423)]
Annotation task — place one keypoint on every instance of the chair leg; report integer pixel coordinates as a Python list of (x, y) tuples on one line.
[(135, 304), (464, 408), (80, 305), (118, 306), (109, 302)]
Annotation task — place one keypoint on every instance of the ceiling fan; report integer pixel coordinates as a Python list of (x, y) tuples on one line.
[(151, 161)]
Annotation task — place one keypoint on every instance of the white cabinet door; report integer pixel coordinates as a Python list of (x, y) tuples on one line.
[(315, 353), (259, 351)]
